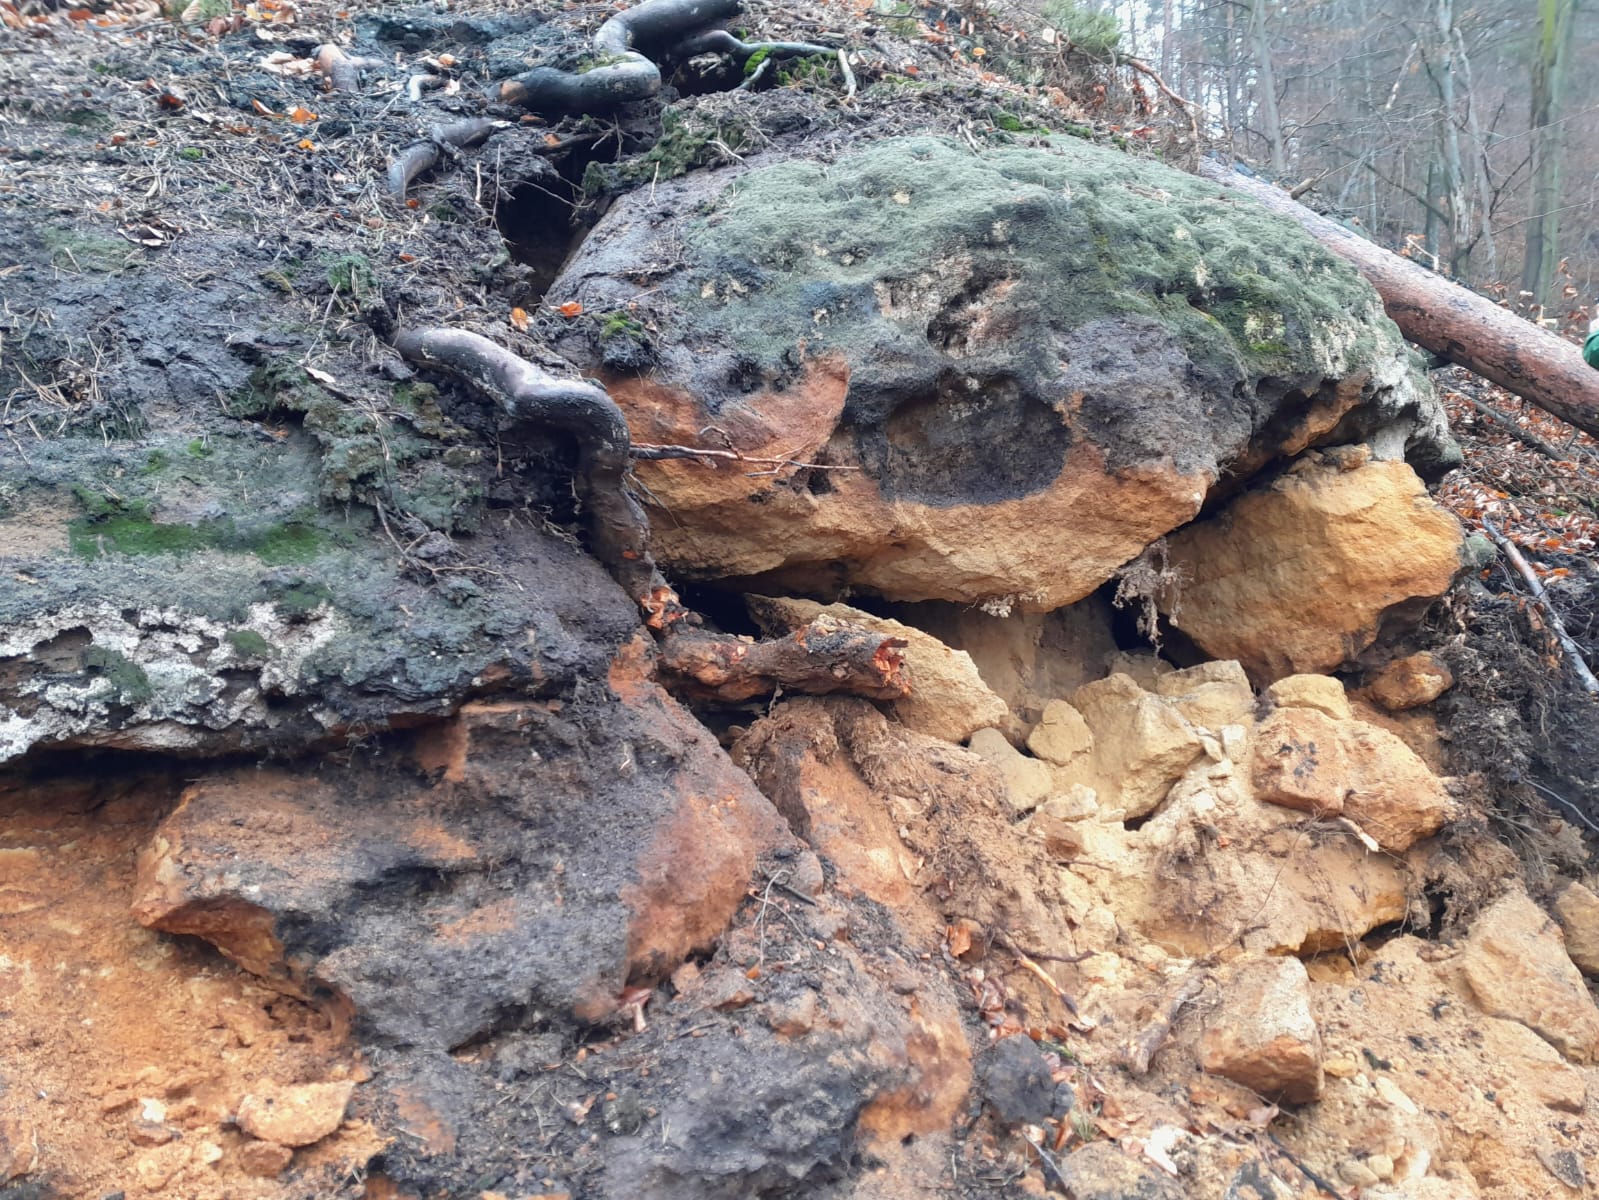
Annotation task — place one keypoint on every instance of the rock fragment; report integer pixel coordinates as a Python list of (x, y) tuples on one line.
[(1515, 963), (1411, 681), (1061, 735), (1263, 1036), (948, 699), (295, 1114), (1256, 576), (1028, 782), (1142, 744), (1392, 795), (1299, 762), (1101, 1171), (19, 1148), (1577, 910), (264, 1160), (1017, 1082), (1321, 692), (1212, 695)]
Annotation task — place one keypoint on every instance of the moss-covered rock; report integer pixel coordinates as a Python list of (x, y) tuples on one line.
[(1023, 365)]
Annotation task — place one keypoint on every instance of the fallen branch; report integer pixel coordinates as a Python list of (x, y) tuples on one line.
[(1141, 1049), (1525, 436), (530, 396), (1541, 598), (424, 155), (1187, 106), (819, 659), (1444, 317)]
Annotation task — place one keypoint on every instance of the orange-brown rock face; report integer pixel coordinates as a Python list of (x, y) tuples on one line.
[(785, 525), (554, 858), (1303, 575)]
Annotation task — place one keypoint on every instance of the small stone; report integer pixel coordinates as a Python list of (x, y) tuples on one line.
[(1234, 741), (1263, 1035), (1341, 1068), (1320, 692), (1061, 734), (805, 874), (207, 1153), (1381, 1166), (1017, 1082), (1102, 1171), (264, 1160), (1577, 910), (1142, 744), (1525, 1056), (148, 1133), (948, 699), (1411, 681), (295, 1115), (1357, 1173), (154, 1169), (1392, 794), (1299, 762), (1390, 1094)]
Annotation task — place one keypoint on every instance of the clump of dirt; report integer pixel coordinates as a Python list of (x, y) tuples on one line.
[(128, 1052)]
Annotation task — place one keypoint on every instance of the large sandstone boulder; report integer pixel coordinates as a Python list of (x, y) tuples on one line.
[(1013, 370), (1304, 574)]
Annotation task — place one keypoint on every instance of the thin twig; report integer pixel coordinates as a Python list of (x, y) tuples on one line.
[(656, 453)]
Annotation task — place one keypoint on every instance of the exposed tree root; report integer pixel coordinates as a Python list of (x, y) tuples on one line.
[(624, 74), (343, 71), (424, 155), (528, 395), (820, 658)]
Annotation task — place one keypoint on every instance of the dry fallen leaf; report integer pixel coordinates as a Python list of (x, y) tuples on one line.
[(570, 309), (306, 144), (301, 115), (519, 319)]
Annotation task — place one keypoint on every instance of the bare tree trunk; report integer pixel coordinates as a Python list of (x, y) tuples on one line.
[(1555, 21), (1266, 79), (1448, 319), (1165, 38), (1479, 160)]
